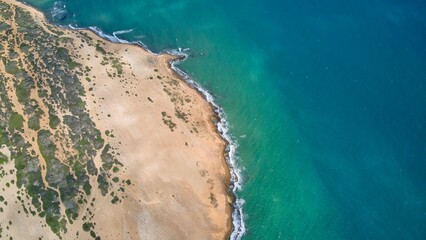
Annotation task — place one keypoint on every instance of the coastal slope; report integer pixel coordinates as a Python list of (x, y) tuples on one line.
[(102, 140)]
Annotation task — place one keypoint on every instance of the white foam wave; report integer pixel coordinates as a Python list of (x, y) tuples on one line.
[(74, 27), (112, 38), (121, 32), (238, 220), (59, 10)]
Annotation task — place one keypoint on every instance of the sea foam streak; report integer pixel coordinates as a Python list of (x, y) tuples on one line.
[(222, 126), (121, 32), (58, 11)]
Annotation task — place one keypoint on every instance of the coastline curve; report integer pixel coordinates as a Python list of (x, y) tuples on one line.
[(222, 127)]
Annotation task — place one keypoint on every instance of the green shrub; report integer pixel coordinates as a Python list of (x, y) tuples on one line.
[(16, 122)]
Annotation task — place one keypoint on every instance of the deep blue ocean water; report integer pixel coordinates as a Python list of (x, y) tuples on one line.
[(326, 99)]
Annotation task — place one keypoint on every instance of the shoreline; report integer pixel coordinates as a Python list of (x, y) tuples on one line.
[(233, 180), (238, 229)]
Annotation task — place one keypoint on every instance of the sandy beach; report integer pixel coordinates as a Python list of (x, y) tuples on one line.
[(162, 132)]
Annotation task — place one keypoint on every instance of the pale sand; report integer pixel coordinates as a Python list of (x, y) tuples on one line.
[(179, 178)]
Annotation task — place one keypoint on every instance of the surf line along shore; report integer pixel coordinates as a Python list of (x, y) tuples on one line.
[(162, 132)]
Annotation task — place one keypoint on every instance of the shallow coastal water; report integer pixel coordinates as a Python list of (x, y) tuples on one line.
[(326, 100)]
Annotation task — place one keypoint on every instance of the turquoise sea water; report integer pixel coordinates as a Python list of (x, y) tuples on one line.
[(326, 99)]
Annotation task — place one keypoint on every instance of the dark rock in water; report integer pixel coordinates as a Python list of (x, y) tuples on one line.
[(61, 16)]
